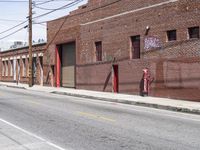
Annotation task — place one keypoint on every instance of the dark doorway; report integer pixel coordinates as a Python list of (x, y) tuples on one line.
[(68, 61)]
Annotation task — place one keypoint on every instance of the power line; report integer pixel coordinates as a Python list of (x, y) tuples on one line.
[(45, 2), (13, 33), (66, 6), (63, 22), (65, 18), (19, 1), (63, 7), (51, 40), (52, 8), (13, 27), (48, 1), (10, 20), (9, 1), (23, 1), (87, 11)]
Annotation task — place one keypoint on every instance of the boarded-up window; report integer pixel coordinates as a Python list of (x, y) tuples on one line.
[(98, 46), (135, 43), (193, 32), (171, 35)]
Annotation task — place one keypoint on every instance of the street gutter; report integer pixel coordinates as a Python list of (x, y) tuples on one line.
[(157, 106)]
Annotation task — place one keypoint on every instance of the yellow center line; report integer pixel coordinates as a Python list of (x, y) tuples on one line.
[(85, 114), (94, 116), (108, 119), (31, 101)]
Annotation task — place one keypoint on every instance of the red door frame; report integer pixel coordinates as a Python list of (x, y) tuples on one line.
[(115, 79), (58, 66)]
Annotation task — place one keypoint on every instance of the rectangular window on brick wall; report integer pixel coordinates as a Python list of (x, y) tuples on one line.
[(193, 32), (135, 47), (98, 46), (171, 35)]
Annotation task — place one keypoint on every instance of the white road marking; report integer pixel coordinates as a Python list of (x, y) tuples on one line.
[(33, 135)]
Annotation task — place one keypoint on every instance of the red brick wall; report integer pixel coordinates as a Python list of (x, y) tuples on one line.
[(173, 78), (115, 33)]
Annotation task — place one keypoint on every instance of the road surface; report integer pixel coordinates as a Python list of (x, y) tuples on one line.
[(69, 123)]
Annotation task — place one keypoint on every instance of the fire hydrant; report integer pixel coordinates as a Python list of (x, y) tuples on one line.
[(147, 80)]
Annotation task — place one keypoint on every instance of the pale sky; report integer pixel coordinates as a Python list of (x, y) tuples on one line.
[(13, 13)]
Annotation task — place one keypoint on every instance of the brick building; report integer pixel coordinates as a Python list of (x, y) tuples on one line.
[(14, 64), (108, 41), (105, 45)]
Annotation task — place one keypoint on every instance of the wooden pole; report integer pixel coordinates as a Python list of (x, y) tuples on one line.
[(30, 46)]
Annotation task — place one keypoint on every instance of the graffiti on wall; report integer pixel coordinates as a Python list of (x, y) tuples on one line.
[(151, 42)]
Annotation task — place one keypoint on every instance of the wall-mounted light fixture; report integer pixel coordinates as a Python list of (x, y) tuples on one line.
[(147, 30)]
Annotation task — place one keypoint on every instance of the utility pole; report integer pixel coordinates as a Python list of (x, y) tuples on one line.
[(30, 46)]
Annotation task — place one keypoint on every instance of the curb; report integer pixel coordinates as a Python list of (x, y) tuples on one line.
[(128, 102), (17, 87), (12, 86), (157, 106)]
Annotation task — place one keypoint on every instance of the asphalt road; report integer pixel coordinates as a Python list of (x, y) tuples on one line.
[(85, 124)]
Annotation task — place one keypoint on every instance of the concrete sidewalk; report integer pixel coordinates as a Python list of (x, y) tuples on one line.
[(160, 103), (13, 137)]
